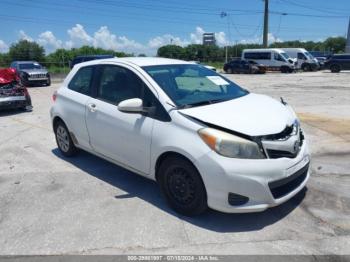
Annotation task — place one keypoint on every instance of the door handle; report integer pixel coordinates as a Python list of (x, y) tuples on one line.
[(92, 107)]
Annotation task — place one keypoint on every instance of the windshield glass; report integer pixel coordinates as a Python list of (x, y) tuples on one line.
[(29, 66), (192, 85), (285, 55), (310, 56)]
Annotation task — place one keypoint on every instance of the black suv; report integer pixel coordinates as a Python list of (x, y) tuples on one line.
[(243, 66), (85, 58), (336, 63)]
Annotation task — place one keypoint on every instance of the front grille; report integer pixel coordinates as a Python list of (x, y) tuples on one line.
[(38, 76), (282, 187), (274, 154)]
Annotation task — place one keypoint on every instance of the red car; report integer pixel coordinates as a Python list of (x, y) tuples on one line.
[(12, 93)]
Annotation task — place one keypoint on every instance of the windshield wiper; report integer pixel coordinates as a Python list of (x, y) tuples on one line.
[(202, 103)]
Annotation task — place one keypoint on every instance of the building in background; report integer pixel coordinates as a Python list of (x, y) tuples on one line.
[(209, 39), (347, 49)]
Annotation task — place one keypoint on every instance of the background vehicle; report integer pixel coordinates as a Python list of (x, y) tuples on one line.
[(243, 66), (85, 58), (273, 58), (12, 93), (31, 72), (306, 61), (336, 63), (128, 111)]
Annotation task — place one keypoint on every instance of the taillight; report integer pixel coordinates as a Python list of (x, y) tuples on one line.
[(54, 96)]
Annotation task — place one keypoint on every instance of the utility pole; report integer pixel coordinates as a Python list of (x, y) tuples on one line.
[(347, 48), (266, 24)]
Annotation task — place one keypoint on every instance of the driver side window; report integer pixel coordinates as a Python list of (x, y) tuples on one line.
[(117, 84), (278, 57)]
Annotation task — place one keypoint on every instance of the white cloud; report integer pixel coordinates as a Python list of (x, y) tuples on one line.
[(49, 41), (259, 39), (78, 36), (3, 47), (197, 36), (166, 39), (221, 39), (104, 38), (24, 36)]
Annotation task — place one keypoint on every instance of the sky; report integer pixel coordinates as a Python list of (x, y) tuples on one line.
[(142, 26)]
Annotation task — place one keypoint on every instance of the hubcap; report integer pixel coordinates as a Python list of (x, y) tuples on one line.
[(181, 186), (62, 138)]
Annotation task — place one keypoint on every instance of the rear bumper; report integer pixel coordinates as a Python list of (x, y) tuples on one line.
[(13, 102)]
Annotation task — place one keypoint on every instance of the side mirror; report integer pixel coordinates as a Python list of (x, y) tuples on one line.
[(133, 105)]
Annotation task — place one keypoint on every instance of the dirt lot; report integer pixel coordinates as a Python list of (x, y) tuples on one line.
[(85, 205)]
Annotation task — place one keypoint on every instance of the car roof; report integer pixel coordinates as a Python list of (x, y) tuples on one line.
[(93, 56), (139, 61), (26, 62), (279, 50)]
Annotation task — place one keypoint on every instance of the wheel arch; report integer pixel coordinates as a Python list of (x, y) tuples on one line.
[(167, 154)]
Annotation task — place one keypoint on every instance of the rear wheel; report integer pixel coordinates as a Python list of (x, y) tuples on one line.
[(335, 68), (182, 186), (229, 71), (64, 141)]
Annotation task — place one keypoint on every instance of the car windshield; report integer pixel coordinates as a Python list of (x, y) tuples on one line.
[(310, 56), (285, 55), (29, 66), (193, 85)]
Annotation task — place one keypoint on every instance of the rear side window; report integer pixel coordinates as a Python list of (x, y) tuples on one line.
[(81, 82), (258, 55), (342, 57)]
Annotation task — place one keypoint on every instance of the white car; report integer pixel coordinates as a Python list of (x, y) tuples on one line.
[(205, 140)]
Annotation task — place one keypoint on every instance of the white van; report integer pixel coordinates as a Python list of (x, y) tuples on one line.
[(273, 58), (306, 61)]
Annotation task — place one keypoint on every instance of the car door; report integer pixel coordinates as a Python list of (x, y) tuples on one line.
[(123, 137), (73, 101), (346, 62)]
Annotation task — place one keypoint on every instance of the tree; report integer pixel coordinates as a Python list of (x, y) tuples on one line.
[(26, 50), (171, 51), (335, 44)]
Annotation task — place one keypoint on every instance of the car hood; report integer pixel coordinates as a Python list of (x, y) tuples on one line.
[(252, 115), (35, 71)]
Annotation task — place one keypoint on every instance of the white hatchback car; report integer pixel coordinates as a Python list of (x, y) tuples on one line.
[(205, 140)]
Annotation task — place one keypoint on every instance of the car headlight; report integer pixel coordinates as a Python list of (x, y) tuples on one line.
[(229, 145)]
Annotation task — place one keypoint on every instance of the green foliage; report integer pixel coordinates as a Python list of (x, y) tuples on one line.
[(25, 50)]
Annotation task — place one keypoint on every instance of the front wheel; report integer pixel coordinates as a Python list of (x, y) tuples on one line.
[(306, 67), (48, 82), (335, 68), (64, 141), (182, 186), (229, 71)]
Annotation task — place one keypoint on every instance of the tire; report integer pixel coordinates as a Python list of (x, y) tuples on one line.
[(182, 186), (335, 68), (48, 82), (284, 70), (63, 140), (229, 71), (306, 68)]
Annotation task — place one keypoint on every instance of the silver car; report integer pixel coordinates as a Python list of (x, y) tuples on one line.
[(32, 73)]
